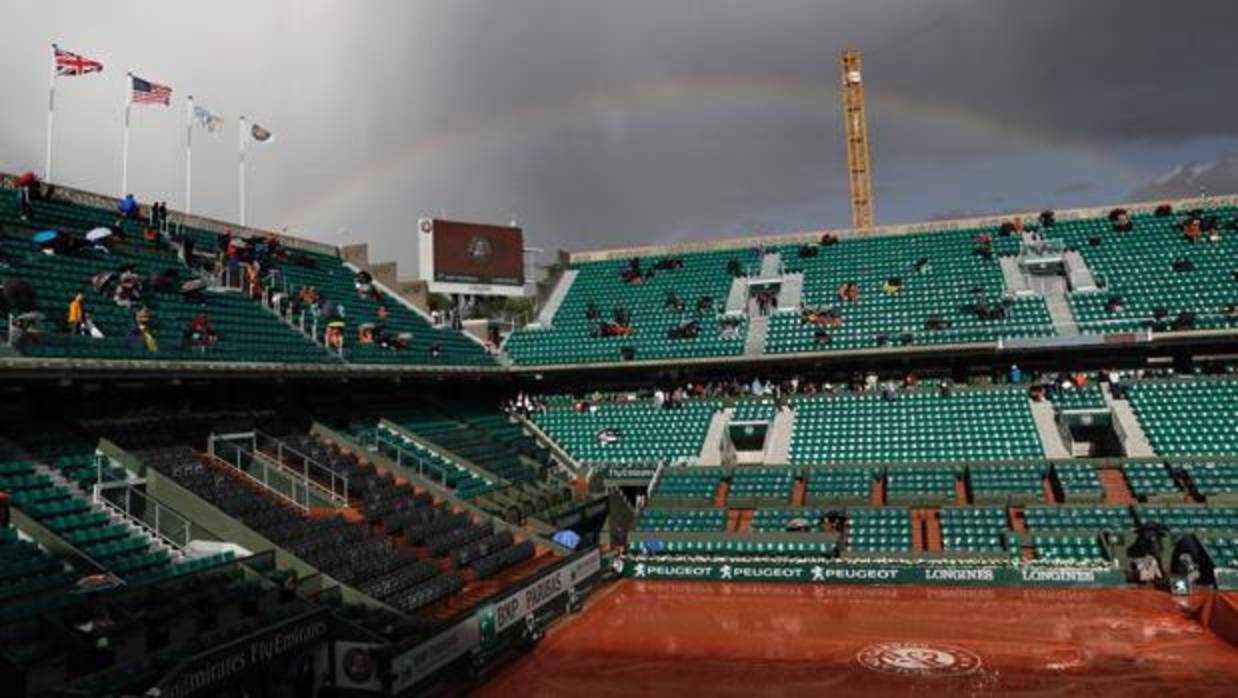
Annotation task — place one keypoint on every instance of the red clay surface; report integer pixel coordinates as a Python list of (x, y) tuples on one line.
[(689, 639)]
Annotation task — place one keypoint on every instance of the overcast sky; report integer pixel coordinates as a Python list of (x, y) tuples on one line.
[(599, 123)]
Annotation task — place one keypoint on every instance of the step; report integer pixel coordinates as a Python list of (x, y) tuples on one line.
[(737, 297), (711, 449), (797, 492), (1126, 422), (546, 315), (721, 492), (758, 328), (1117, 491), (960, 492), (1078, 274), (791, 291), (1044, 414), (932, 530), (778, 439), (771, 265), (1013, 277)]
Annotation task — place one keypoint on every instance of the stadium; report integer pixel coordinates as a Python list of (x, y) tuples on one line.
[(983, 455)]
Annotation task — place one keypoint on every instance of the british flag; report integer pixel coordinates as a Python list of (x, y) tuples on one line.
[(147, 92), (69, 63)]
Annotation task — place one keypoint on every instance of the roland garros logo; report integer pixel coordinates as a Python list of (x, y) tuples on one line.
[(917, 659)]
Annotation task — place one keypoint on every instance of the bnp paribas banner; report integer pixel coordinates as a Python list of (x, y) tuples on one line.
[(809, 573)]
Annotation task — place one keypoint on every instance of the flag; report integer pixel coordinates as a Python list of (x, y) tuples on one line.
[(70, 64), (261, 134), (207, 120), (146, 92)]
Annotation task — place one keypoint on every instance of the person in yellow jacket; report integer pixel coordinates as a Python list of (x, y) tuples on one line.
[(77, 313)]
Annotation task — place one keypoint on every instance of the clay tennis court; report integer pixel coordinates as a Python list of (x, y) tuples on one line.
[(710, 639)]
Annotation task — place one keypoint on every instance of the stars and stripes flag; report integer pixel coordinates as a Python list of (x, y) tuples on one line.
[(71, 64), (147, 92)]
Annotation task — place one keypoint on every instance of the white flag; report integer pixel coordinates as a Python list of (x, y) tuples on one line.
[(207, 120)]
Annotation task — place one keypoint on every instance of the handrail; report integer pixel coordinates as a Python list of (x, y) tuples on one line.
[(336, 491)]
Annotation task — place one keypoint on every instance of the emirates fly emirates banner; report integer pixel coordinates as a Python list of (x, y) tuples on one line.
[(476, 254)]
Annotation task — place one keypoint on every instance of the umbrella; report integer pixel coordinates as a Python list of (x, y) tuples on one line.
[(19, 294), (25, 179), (45, 237), (567, 538), (239, 244), (193, 285), (32, 316), (339, 324), (100, 280), (98, 234)]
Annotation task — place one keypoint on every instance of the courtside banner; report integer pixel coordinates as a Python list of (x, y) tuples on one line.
[(421, 661), (497, 617), (814, 573)]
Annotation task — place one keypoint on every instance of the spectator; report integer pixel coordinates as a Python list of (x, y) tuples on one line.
[(77, 313), (128, 207), (1121, 220), (944, 389), (141, 338), (23, 203), (1015, 374), (849, 292), (889, 391), (892, 286)]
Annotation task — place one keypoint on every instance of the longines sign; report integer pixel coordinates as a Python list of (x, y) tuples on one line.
[(635, 568)]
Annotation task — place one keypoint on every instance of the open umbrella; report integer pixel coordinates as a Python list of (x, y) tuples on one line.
[(45, 237), (567, 538), (193, 285), (32, 316), (25, 179), (338, 324), (98, 234), (239, 244), (100, 280)]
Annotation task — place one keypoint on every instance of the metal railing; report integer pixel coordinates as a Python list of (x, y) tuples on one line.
[(280, 482), (320, 478), (148, 513), (385, 443)]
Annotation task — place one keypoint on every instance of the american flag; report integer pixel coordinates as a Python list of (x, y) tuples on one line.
[(146, 92), (69, 63)]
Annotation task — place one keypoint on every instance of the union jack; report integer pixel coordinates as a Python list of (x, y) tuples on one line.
[(70, 64)]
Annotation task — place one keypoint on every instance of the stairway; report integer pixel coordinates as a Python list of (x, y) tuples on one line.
[(771, 265), (917, 530), (1078, 275), (758, 327), (791, 291), (1045, 417), (1055, 292), (798, 490), (932, 530), (1013, 276), (546, 315), (1117, 491), (720, 494), (960, 492), (778, 439), (737, 297), (743, 523), (1126, 422), (711, 450)]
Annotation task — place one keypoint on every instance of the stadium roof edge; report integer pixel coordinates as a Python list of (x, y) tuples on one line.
[(888, 230)]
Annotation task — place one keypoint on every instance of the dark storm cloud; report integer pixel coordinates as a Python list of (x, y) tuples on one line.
[(603, 123)]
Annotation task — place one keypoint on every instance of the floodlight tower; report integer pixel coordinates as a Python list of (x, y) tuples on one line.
[(857, 140)]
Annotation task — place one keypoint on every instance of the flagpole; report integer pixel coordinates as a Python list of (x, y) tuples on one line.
[(189, 157), (242, 139), (51, 110), (124, 161)]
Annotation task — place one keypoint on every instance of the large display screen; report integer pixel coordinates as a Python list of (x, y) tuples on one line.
[(473, 253)]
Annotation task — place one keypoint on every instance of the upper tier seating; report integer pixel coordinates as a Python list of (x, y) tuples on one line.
[(334, 281), (969, 425), (568, 339), (944, 288), (645, 434), (1182, 418), (247, 332), (1137, 266)]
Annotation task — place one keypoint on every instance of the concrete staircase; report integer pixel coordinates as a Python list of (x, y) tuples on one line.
[(1078, 275), (711, 450), (758, 328), (737, 298), (791, 292), (546, 315), (778, 439), (1054, 290), (1126, 423), (1045, 417), (771, 265), (1013, 276)]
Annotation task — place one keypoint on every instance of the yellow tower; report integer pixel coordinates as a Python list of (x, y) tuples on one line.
[(857, 140)]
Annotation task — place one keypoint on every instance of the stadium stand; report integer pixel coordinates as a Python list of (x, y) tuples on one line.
[(570, 337), (1213, 482), (993, 424), (1151, 481), (974, 529), (886, 530), (1076, 482), (632, 432), (1194, 417), (1006, 484)]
